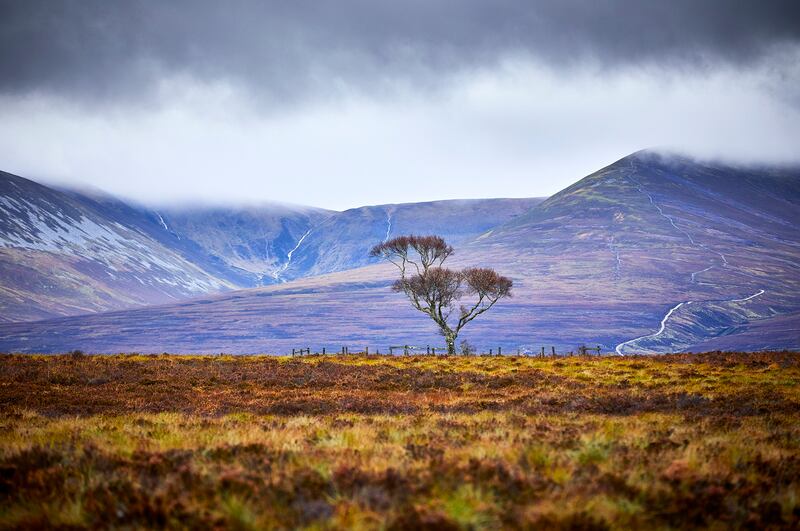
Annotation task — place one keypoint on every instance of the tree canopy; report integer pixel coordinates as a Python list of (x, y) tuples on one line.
[(436, 290)]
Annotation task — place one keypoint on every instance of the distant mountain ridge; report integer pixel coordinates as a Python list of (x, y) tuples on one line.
[(65, 252), (343, 241), (649, 254), (255, 240)]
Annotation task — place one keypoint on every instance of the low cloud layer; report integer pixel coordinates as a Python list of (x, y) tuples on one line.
[(286, 50), (353, 102)]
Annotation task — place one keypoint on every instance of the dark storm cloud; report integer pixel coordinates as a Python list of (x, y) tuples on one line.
[(104, 49)]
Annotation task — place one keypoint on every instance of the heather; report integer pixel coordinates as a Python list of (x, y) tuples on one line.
[(405, 442)]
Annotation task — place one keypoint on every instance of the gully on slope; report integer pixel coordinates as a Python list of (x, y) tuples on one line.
[(620, 348)]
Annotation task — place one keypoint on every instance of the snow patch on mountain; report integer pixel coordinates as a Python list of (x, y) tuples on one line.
[(27, 225)]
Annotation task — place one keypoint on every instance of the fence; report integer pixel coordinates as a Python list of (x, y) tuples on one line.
[(407, 350), (344, 350)]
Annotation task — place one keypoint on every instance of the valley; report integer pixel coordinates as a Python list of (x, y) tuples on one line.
[(651, 254), (64, 252)]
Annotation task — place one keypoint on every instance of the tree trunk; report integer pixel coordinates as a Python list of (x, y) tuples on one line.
[(450, 339)]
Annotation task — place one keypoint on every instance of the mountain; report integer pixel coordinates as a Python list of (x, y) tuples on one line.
[(64, 252), (257, 240), (653, 254), (702, 248), (343, 241)]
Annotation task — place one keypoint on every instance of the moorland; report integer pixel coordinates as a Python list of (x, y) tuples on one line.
[(649, 238), (405, 442)]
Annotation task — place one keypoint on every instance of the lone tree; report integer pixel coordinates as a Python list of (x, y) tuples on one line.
[(435, 290)]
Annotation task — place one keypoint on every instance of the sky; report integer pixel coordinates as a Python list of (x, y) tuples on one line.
[(346, 103)]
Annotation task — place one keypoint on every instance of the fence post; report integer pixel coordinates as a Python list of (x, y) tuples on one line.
[(366, 351), (405, 350), (499, 351), (543, 352), (554, 350)]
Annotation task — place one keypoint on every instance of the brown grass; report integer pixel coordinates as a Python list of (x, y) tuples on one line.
[(404, 442)]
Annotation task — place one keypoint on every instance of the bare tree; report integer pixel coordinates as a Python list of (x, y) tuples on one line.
[(435, 290)]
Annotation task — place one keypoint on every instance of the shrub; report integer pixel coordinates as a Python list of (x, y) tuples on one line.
[(466, 348)]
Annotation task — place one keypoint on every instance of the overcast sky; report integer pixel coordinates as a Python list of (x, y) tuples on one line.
[(353, 102)]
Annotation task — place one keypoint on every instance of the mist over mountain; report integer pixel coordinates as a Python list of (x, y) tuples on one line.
[(653, 253)]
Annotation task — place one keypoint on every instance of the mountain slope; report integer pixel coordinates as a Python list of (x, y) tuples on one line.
[(701, 247), (650, 254), (64, 253), (254, 240), (343, 241)]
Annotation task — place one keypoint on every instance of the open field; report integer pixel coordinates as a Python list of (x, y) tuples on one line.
[(406, 442)]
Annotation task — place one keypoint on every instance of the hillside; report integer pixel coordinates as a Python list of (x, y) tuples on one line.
[(343, 241), (257, 240), (702, 248), (650, 254), (64, 252)]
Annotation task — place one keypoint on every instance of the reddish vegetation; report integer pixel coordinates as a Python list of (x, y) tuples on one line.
[(88, 385), (411, 442)]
